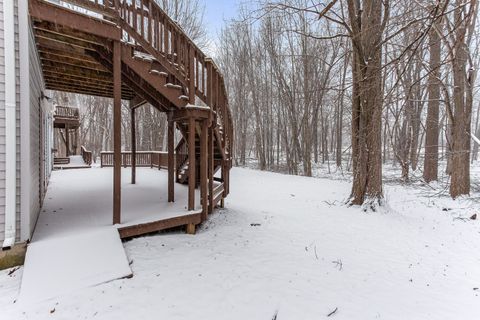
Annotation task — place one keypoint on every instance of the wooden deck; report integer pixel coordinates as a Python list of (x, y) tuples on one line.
[(99, 48), (79, 200)]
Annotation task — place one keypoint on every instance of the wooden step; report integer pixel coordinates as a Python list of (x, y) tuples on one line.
[(61, 161), (159, 73), (173, 86)]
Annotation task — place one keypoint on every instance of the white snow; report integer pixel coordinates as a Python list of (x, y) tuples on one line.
[(193, 107), (61, 265), (289, 245), (475, 139)]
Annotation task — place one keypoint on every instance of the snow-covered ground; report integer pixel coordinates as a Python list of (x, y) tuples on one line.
[(288, 246)]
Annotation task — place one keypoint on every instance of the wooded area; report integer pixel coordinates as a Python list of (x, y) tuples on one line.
[(357, 82), (352, 84)]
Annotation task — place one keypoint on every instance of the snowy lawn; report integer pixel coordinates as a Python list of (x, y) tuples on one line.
[(287, 245)]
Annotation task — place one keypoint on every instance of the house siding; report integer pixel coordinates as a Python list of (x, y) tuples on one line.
[(2, 127), (37, 146), (17, 89), (38, 113)]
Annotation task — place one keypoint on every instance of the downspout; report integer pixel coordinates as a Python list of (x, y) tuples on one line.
[(10, 126)]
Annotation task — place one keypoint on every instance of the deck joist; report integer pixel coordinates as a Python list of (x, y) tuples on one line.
[(161, 225)]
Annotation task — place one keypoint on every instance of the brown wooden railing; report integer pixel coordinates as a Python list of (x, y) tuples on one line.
[(180, 55), (147, 26), (181, 152), (67, 112), (152, 159), (86, 155)]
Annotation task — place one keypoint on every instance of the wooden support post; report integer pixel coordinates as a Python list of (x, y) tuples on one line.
[(117, 134), (67, 140), (171, 160), (134, 145), (204, 169), (211, 168), (222, 203), (75, 145), (190, 228), (191, 164)]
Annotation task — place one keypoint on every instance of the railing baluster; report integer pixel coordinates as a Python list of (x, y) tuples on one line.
[(142, 26), (150, 22), (135, 16), (157, 32), (160, 34), (166, 40)]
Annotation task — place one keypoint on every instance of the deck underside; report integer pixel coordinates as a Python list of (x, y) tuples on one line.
[(79, 200)]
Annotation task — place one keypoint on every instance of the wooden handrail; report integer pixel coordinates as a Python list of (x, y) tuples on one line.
[(181, 152), (86, 155), (152, 159), (148, 27), (67, 112)]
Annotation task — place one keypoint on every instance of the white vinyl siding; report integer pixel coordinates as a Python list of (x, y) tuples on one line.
[(2, 128), (36, 152)]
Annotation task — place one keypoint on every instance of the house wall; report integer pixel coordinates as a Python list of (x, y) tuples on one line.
[(35, 126), (2, 127), (17, 89), (39, 114)]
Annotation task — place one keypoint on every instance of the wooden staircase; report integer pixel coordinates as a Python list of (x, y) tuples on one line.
[(159, 65), (182, 166)]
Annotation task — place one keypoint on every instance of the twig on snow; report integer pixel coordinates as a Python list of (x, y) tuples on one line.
[(461, 219), (275, 315), (338, 264), (13, 271), (330, 204), (333, 312)]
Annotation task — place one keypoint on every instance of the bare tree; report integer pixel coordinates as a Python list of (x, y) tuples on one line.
[(368, 20), (430, 171)]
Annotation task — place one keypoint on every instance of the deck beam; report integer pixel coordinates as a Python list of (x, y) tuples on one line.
[(142, 229), (45, 11)]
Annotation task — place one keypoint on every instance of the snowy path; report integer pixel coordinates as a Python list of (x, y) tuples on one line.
[(286, 244), (61, 265)]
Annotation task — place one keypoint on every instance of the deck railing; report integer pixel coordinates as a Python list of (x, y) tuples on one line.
[(67, 113), (86, 155), (181, 152), (152, 159)]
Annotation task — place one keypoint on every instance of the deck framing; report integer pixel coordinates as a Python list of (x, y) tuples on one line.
[(161, 225)]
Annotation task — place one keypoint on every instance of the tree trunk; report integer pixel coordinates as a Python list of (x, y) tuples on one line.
[(462, 116), (430, 167), (367, 105)]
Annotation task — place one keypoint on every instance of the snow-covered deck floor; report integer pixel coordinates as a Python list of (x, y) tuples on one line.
[(79, 200), (76, 162)]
